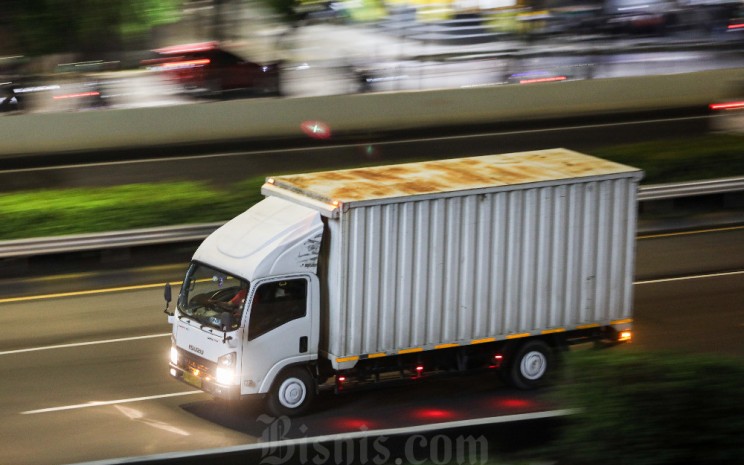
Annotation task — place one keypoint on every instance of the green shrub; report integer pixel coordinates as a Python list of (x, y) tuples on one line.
[(89, 210), (683, 159), (652, 409)]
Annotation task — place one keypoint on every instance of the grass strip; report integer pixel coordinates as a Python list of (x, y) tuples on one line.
[(89, 210)]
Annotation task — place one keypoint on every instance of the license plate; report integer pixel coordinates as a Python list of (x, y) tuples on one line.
[(192, 379)]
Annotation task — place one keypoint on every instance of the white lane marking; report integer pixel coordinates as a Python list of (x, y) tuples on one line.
[(109, 402), (687, 278), (80, 344)]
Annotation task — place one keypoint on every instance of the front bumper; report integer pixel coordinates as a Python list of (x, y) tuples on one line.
[(205, 383)]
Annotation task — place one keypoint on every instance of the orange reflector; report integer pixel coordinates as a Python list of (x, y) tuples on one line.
[(544, 79)]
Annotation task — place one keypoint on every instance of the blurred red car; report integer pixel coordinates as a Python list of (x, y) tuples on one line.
[(207, 69)]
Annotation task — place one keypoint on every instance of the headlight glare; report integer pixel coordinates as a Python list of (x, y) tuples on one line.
[(224, 375), (174, 355)]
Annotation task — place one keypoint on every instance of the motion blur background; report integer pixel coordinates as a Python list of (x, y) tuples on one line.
[(65, 55)]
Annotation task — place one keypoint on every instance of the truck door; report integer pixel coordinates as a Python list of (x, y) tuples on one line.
[(280, 330)]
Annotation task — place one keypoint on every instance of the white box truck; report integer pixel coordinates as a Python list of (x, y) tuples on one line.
[(348, 277)]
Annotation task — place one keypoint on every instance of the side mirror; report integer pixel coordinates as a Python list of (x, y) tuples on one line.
[(167, 293), (226, 321), (226, 324)]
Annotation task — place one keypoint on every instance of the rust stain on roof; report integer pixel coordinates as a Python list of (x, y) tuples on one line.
[(449, 175)]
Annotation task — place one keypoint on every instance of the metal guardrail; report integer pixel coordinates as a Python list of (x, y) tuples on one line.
[(690, 189), (107, 240), (197, 232)]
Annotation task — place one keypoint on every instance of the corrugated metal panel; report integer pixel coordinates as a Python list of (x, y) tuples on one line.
[(380, 183), (443, 270)]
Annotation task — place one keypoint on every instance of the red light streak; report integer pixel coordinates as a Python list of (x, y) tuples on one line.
[(81, 94), (185, 64), (736, 26), (316, 129), (727, 106)]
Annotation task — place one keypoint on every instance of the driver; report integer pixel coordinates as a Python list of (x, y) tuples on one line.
[(237, 301)]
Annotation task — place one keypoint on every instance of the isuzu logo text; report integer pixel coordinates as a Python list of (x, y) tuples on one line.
[(196, 349)]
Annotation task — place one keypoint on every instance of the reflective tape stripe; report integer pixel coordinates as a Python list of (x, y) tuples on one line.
[(446, 346), (552, 331), (411, 350)]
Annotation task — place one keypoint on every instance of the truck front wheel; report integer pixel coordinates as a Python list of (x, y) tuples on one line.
[(292, 393), (531, 365)]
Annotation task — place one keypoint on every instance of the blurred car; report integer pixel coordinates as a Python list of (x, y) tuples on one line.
[(209, 70), (637, 23)]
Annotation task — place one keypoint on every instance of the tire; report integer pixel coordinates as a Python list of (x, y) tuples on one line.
[(292, 393), (531, 365)]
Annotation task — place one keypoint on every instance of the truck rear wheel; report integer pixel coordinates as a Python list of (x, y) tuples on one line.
[(292, 393), (531, 365)]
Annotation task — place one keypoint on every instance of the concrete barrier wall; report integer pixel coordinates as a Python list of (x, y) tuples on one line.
[(258, 118)]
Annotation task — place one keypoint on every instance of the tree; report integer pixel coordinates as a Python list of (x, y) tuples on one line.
[(85, 26)]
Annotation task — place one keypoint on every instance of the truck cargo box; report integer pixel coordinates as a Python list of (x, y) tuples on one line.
[(438, 254)]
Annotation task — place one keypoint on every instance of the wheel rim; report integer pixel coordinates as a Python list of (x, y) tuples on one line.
[(292, 393), (533, 365)]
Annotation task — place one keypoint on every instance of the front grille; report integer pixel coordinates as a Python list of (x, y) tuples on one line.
[(194, 363)]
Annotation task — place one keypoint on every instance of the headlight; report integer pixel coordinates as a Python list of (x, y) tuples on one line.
[(225, 373), (174, 355)]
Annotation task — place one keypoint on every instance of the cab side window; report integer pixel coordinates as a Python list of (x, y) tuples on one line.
[(275, 304)]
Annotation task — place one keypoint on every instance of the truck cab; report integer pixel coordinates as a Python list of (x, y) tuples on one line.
[(247, 311)]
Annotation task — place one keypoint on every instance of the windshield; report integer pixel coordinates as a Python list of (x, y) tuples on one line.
[(209, 295)]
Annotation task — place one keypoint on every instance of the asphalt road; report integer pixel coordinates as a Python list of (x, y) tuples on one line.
[(227, 165), (84, 375)]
